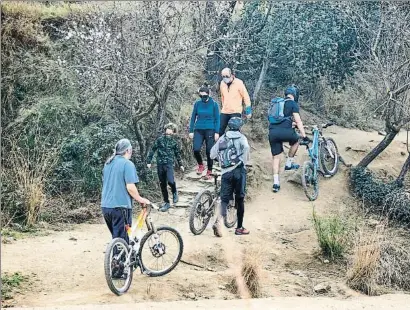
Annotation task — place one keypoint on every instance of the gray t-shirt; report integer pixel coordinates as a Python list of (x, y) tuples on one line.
[(116, 175)]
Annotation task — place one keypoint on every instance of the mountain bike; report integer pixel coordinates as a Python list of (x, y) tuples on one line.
[(204, 208), (122, 259), (324, 160)]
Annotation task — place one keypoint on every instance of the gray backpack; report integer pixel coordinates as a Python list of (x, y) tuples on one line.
[(228, 155)]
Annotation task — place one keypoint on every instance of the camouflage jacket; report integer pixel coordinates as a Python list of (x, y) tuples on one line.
[(166, 148)]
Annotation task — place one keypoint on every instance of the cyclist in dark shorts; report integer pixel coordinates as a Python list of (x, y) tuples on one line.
[(284, 132)]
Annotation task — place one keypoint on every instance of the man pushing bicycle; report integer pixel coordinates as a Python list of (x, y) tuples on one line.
[(282, 113), (232, 153)]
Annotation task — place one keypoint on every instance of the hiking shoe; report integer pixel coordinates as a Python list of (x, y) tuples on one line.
[(276, 188), (217, 230), (200, 169), (292, 167), (175, 197), (242, 231), (165, 207), (208, 175)]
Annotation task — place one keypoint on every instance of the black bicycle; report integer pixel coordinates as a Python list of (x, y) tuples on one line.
[(204, 208)]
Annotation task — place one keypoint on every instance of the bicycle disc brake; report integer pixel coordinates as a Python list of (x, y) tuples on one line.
[(158, 249)]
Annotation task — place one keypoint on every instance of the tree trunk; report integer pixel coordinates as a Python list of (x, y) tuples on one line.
[(265, 65), (403, 172), (391, 134)]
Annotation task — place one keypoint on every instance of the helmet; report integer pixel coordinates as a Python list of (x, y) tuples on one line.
[(292, 90), (235, 123), (171, 126)]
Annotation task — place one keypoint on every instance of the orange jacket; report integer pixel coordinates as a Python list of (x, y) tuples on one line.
[(233, 97)]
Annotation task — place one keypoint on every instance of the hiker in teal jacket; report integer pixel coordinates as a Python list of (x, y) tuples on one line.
[(204, 126)]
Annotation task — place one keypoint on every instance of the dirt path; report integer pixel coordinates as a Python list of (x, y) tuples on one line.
[(399, 302), (66, 268)]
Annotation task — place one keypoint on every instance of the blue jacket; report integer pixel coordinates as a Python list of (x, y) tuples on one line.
[(205, 115)]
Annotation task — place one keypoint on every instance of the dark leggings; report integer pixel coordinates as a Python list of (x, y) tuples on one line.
[(166, 176), (234, 182), (224, 121), (201, 135)]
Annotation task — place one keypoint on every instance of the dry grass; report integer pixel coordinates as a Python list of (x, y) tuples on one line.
[(394, 264), (247, 282), (30, 169), (362, 274), (38, 10)]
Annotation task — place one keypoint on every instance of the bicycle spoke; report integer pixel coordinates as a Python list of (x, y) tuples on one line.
[(153, 259)]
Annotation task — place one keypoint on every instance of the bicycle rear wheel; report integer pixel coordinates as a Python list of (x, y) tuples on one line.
[(329, 157), (231, 215), (160, 252), (118, 276), (200, 214), (310, 181)]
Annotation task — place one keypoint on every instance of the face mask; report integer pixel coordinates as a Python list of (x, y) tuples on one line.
[(227, 80), (204, 98)]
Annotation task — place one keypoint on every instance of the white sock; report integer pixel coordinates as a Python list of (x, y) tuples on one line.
[(289, 161), (276, 179)]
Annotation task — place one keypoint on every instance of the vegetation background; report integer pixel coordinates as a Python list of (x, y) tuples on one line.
[(76, 77)]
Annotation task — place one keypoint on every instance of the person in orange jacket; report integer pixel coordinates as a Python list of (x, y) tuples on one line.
[(233, 96)]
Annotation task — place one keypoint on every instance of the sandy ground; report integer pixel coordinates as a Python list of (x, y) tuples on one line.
[(66, 267), (289, 303)]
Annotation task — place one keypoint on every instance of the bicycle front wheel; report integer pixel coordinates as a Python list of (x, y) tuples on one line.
[(329, 157), (310, 181), (160, 252), (117, 274), (200, 214)]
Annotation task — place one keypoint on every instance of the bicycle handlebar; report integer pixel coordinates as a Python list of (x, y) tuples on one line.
[(322, 126)]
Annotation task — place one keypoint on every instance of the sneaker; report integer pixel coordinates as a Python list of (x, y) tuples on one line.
[(217, 230), (175, 197), (242, 231), (165, 207), (292, 167), (276, 188), (200, 169), (208, 175)]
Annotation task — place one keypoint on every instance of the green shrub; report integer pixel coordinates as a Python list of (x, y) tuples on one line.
[(10, 283), (388, 199), (332, 235)]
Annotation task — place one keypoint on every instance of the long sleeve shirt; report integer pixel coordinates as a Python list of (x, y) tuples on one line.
[(205, 115), (234, 96), (167, 149)]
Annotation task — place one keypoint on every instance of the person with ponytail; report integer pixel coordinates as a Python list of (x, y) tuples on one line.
[(204, 127), (119, 179)]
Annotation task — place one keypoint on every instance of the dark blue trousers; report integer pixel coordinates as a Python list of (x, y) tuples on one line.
[(116, 219)]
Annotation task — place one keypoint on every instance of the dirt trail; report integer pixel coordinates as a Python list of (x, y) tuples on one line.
[(66, 268), (399, 302)]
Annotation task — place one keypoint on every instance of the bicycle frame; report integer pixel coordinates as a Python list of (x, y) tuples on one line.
[(314, 151), (133, 246)]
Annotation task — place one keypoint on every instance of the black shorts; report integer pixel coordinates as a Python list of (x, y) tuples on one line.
[(233, 182), (279, 135)]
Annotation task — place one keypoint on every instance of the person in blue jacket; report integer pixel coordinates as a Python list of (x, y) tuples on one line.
[(204, 126)]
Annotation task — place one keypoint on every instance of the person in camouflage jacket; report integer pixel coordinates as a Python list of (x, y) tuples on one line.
[(167, 149)]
